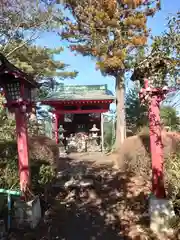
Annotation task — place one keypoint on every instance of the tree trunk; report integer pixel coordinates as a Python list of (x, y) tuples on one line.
[(120, 111)]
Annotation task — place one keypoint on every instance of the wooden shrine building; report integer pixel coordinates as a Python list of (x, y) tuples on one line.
[(77, 111)]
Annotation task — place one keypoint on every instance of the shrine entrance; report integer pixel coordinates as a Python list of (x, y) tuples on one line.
[(78, 116), (83, 133), (79, 123)]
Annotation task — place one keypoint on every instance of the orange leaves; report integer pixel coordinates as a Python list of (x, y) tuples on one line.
[(132, 3), (130, 32), (138, 20), (151, 12), (114, 62), (112, 32), (139, 40), (109, 6), (109, 65), (84, 50), (113, 23)]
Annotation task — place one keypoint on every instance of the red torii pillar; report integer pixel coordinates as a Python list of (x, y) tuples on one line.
[(155, 96)]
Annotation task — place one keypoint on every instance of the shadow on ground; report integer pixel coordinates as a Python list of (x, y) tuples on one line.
[(105, 207), (104, 204)]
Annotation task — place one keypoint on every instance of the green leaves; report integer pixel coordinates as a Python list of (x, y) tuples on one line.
[(46, 174), (170, 118), (169, 44), (7, 125), (162, 62), (136, 114), (22, 22)]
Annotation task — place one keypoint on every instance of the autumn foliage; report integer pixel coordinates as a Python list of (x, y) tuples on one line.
[(108, 30)]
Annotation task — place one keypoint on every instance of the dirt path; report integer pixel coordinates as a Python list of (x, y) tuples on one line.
[(84, 210), (92, 201)]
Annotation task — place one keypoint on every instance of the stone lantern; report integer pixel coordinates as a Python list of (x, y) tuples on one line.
[(94, 130), (93, 140)]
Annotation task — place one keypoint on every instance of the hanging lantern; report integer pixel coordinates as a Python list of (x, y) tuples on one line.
[(17, 86)]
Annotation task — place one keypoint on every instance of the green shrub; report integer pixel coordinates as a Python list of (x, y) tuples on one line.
[(43, 152), (42, 163)]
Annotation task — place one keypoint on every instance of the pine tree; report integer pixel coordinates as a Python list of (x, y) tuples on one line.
[(136, 113), (21, 22), (39, 62), (111, 32)]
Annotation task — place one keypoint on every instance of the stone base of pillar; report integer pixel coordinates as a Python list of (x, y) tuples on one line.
[(161, 212)]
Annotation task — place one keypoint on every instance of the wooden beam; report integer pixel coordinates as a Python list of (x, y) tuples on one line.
[(75, 102), (79, 111)]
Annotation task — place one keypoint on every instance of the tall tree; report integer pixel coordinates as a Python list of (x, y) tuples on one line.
[(111, 32)]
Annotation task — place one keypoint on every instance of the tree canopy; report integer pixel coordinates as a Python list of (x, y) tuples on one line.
[(161, 63), (168, 43), (108, 30), (21, 24)]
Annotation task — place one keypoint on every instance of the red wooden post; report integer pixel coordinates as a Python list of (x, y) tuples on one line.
[(156, 145), (19, 92), (23, 155)]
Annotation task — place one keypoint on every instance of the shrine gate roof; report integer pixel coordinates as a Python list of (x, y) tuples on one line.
[(81, 92)]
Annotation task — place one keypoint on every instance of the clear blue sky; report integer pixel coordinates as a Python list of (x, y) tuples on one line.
[(85, 66)]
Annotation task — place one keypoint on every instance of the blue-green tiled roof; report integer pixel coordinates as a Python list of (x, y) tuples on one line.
[(81, 92)]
